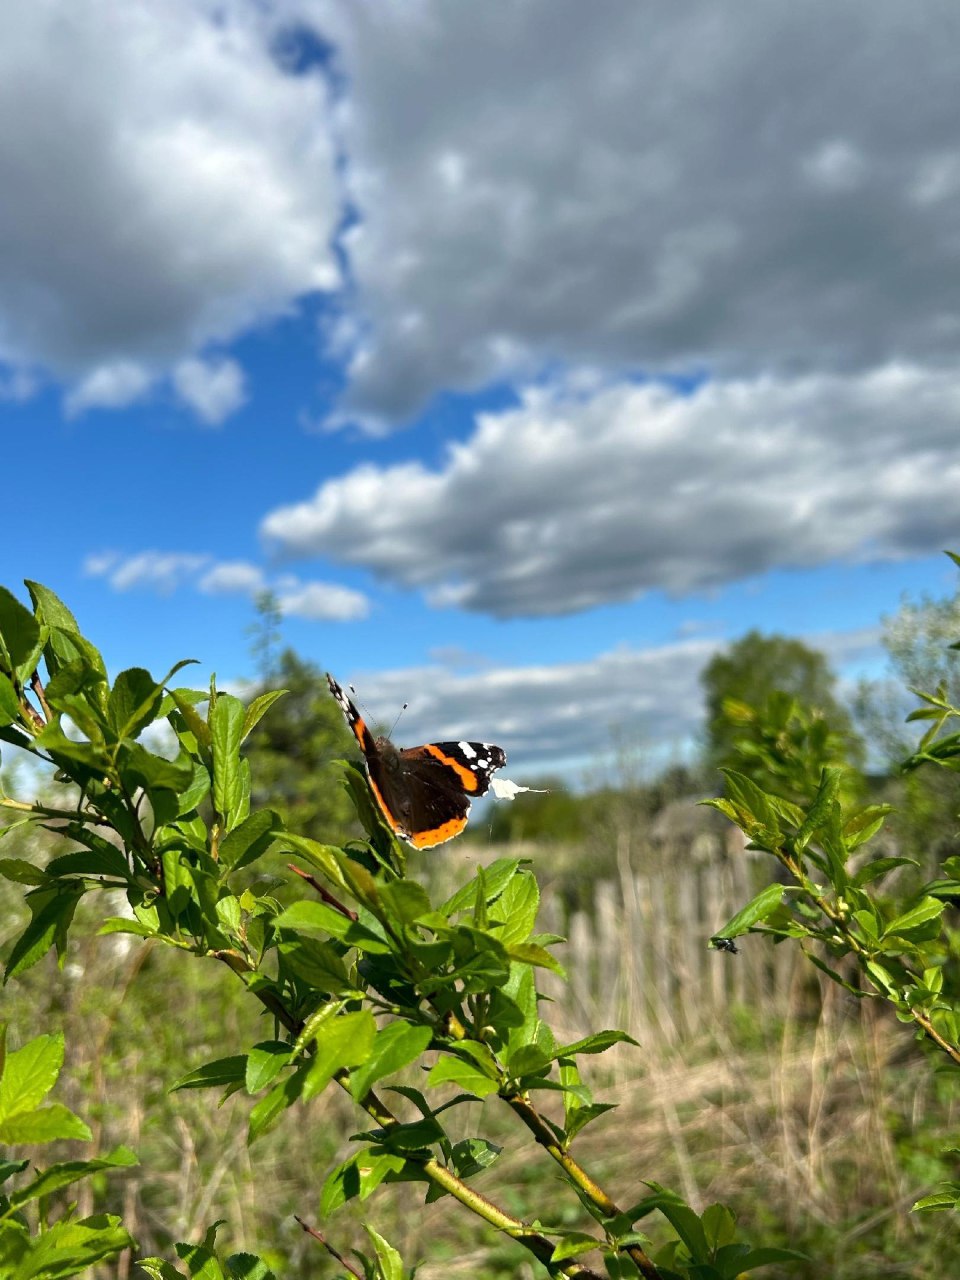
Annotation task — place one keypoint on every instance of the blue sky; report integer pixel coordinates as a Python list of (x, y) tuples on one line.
[(527, 359)]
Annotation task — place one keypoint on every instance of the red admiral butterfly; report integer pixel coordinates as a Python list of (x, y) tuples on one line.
[(423, 792)]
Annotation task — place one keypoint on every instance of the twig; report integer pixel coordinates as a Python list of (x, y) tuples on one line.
[(325, 894), (318, 1235), (37, 686)]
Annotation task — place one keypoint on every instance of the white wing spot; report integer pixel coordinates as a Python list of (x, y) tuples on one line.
[(467, 750)]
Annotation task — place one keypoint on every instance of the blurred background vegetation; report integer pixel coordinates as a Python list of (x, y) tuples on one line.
[(813, 1114)]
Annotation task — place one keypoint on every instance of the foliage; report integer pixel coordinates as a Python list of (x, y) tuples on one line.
[(67, 1245), (842, 904), (917, 641), (360, 983), (749, 690)]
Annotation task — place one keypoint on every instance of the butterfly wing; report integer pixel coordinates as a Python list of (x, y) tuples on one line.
[(440, 780)]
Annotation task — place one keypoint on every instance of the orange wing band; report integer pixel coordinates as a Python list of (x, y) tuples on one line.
[(468, 779), (427, 839)]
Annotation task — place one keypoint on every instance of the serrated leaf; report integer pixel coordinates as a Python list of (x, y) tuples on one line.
[(134, 702), (9, 702), (226, 729), (822, 808), (758, 909), (58, 1176), (46, 1124), (926, 909), (597, 1043), (450, 1070), (345, 1041), (395, 1046), (52, 912), (214, 1075), (19, 632), (258, 709), (250, 840), (21, 871), (265, 1061), (572, 1244)]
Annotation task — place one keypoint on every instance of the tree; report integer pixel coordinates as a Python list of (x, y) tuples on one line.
[(918, 640), (291, 758), (751, 672)]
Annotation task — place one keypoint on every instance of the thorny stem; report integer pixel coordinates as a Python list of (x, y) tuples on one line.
[(862, 953)]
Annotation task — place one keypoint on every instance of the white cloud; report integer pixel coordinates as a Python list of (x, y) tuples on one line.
[(231, 577), (167, 182), (214, 389), (549, 713), (577, 499), (162, 571), (741, 187), (109, 386), (323, 602), (166, 571)]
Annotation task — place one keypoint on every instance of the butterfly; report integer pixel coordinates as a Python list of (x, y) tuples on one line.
[(424, 793)]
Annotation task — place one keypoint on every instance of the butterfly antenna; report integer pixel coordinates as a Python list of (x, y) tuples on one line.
[(393, 727)]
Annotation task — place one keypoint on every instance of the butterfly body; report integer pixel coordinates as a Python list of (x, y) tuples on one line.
[(424, 793)]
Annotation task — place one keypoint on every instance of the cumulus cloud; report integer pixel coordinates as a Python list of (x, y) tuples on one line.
[(230, 577), (323, 601), (166, 571), (214, 389), (743, 187), (577, 499), (109, 386), (549, 713), (167, 181)]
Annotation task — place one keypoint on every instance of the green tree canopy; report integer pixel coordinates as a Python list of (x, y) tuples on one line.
[(292, 754), (752, 671)]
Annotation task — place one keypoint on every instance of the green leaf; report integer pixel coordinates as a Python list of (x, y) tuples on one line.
[(926, 909), (134, 702), (58, 1176), (343, 1042), (46, 1124), (258, 709), (939, 1200), (391, 1264), (496, 878), (754, 1258), (516, 909), (396, 1045), (265, 1061), (29, 1073), (359, 1175), (247, 1266), (405, 901), (21, 871), (822, 808), (69, 1247), (19, 633), (759, 908), (226, 730), (451, 1070), (52, 912), (597, 1043), (572, 1244), (472, 1155), (105, 860), (533, 953), (879, 867), (271, 1107), (9, 702), (317, 964), (214, 1075), (250, 840)]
